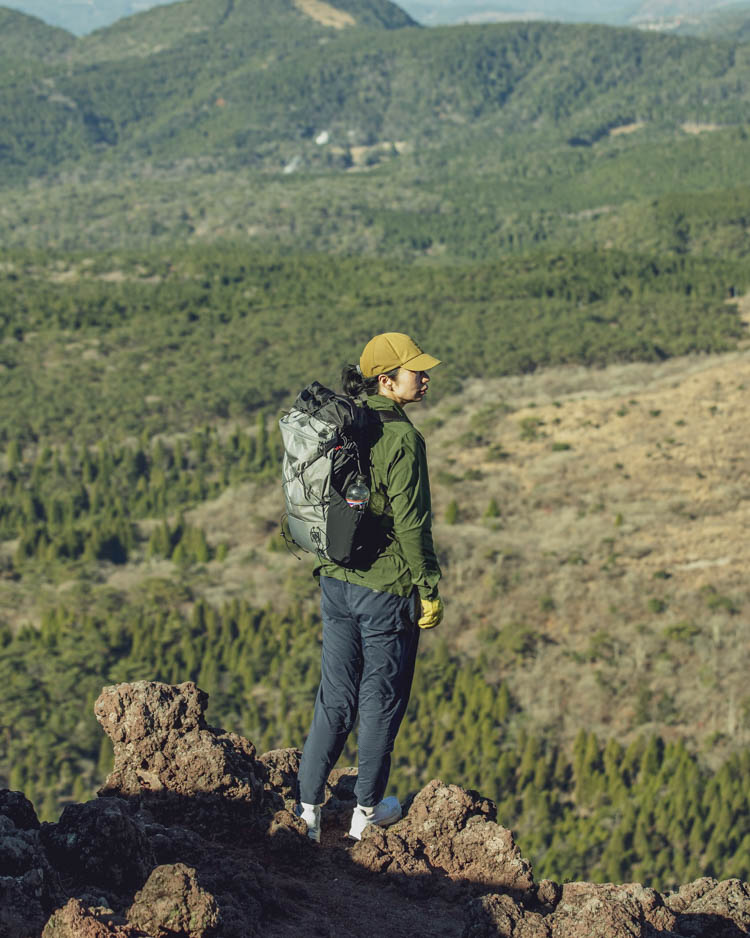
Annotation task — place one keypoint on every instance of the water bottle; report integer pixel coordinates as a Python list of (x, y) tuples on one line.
[(358, 494)]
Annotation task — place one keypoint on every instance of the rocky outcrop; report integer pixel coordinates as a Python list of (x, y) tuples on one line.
[(448, 833), (75, 920), (193, 837), (29, 888), (173, 901), (102, 844), (611, 911), (707, 906), (166, 754), (497, 915)]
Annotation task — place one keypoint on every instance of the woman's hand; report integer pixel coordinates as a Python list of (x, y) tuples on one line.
[(432, 613)]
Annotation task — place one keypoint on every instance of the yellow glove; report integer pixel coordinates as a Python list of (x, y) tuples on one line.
[(432, 613)]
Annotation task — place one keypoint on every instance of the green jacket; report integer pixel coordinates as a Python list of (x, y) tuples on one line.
[(399, 513)]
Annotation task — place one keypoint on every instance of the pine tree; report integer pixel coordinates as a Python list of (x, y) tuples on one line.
[(50, 809), (261, 442), (106, 758), (12, 455), (451, 512)]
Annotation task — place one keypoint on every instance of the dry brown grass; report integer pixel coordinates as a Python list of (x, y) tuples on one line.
[(626, 129), (325, 13), (624, 510), (621, 544), (694, 128)]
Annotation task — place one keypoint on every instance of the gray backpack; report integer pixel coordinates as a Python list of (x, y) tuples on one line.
[(327, 439)]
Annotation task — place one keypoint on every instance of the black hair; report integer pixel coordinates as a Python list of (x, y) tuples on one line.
[(356, 385)]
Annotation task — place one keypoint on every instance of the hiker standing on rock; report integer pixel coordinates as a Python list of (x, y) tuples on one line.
[(372, 613)]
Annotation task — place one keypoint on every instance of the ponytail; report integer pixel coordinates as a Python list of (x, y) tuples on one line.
[(356, 385)]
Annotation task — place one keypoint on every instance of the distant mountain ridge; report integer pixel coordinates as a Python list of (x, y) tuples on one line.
[(27, 37), (255, 83), (533, 131), (85, 16)]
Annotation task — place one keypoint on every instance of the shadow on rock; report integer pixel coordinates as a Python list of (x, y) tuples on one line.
[(192, 837)]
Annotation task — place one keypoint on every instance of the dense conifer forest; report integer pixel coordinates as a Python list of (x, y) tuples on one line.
[(106, 484)]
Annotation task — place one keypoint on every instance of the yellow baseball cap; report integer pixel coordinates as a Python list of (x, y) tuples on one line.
[(390, 350)]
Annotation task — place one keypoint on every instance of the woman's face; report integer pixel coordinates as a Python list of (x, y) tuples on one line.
[(406, 388)]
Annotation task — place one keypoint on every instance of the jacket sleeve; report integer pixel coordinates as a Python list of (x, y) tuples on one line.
[(409, 495)]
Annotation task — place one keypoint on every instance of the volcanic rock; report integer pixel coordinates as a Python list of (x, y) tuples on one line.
[(16, 806), (498, 916), (710, 907), (166, 754), (281, 768), (448, 831), (100, 843), (75, 920), (608, 911), (173, 903), (29, 887), (195, 839)]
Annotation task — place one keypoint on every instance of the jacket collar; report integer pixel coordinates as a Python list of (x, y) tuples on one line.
[(381, 402)]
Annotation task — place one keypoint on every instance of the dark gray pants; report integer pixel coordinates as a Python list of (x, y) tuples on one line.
[(369, 649)]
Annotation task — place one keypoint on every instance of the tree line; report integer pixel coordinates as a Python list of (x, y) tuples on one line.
[(651, 811)]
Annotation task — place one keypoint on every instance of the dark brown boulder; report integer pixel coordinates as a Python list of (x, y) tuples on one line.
[(499, 916), (21, 910), (340, 798), (19, 849), (281, 768), (172, 903), (710, 908), (29, 888), (286, 836), (16, 806), (588, 910), (75, 920), (166, 755), (548, 894), (448, 831), (100, 843)]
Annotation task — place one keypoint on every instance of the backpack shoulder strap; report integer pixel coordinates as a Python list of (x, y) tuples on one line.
[(388, 416)]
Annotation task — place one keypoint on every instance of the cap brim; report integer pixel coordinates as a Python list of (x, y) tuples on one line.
[(422, 362)]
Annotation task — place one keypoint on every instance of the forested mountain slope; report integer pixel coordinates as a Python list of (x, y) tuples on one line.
[(257, 28), (27, 39), (246, 89), (591, 670)]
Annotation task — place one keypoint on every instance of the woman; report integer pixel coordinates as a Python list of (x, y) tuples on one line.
[(370, 614)]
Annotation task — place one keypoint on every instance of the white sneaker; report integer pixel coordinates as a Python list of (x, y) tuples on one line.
[(310, 814), (383, 814)]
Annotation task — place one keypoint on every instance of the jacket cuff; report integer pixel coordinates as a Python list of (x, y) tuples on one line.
[(428, 592)]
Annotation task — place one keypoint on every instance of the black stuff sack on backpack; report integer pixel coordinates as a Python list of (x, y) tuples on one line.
[(326, 439)]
